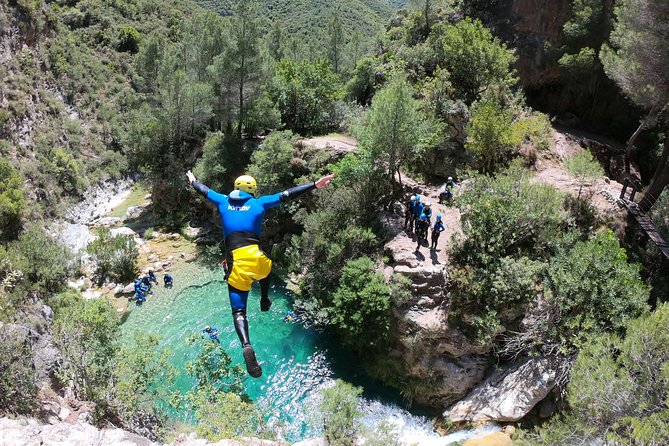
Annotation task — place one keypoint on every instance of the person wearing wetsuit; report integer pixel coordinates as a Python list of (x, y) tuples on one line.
[(408, 212), (417, 210), (242, 215), (437, 229), (421, 229), (152, 277), (168, 280), (212, 332)]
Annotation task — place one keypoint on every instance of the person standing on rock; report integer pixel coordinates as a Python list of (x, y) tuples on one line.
[(408, 213), (242, 215), (417, 210), (437, 229)]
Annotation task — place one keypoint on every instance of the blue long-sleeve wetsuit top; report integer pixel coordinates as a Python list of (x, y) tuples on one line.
[(438, 227), (240, 211), (418, 209)]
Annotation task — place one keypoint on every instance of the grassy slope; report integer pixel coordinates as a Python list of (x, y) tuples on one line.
[(65, 86)]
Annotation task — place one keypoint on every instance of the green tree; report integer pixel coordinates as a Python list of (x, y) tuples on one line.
[(142, 375), (364, 81), (114, 256), (473, 57), (86, 335), (43, 261), (336, 40), (239, 68), (392, 128), (271, 164), (340, 413), (638, 61), (361, 305), (305, 93), (492, 135), (585, 168), (18, 389), (12, 201)]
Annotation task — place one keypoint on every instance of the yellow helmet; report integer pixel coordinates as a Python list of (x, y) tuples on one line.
[(247, 184)]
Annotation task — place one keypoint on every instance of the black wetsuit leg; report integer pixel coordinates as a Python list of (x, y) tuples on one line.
[(265, 302)]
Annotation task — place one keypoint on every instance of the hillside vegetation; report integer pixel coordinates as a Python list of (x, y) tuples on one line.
[(98, 89)]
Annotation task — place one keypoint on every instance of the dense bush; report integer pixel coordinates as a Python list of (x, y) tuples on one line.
[(114, 256), (18, 389), (473, 57), (305, 93), (12, 201), (618, 389), (340, 413), (44, 263), (86, 334), (361, 305)]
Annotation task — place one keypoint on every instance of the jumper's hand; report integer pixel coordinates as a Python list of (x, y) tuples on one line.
[(191, 177), (324, 181)]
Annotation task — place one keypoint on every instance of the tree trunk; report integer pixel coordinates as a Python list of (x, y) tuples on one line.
[(659, 182), (648, 121)]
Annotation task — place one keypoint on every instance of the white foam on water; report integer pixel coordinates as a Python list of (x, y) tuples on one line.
[(414, 429)]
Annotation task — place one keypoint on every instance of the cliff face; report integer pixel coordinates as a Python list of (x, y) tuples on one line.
[(535, 28)]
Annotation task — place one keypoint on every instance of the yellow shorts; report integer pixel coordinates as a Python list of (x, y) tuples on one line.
[(249, 263)]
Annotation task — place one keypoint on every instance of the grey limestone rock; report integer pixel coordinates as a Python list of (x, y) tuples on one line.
[(507, 395)]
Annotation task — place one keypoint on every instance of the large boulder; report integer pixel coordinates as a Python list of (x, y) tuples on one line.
[(509, 394), (123, 230)]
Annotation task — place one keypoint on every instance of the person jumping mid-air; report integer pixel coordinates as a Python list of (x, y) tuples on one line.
[(242, 214)]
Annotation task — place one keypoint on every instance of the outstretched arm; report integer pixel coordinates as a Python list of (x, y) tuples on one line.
[(295, 192), (204, 190), (271, 201)]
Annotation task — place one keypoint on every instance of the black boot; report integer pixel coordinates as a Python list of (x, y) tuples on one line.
[(242, 329), (265, 302)]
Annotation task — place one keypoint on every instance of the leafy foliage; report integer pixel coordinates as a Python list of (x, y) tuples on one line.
[(340, 413), (12, 201), (86, 334), (44, 263), (392, 128), (585, 168), (305, 93), (361, 305), (18, 390), (473, 57), (618, 389), (114, 256)]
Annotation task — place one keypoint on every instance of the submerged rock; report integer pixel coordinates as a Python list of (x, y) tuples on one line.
[(507, 395)]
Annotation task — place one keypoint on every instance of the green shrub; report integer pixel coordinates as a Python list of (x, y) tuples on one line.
[(45, 263), (585, 168), (128, 39), (18, 389), (12, 201), (593, 288), (360, 309), (340, 413), (148, 234), (618, 389), (86, 335), (114, 256), (492, 134)]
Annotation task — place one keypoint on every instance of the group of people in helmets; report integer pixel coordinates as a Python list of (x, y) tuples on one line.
[(418, 218)]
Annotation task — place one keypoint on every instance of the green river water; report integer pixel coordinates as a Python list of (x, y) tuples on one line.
[(297, 362)]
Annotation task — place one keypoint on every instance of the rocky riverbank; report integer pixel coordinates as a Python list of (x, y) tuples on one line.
[(30, 432)]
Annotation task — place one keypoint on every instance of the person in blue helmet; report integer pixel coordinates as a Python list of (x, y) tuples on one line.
[(168, 280), (152, 277), (242, 215), (417, 210), (437, 229), (212, 332), (421, 225)]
